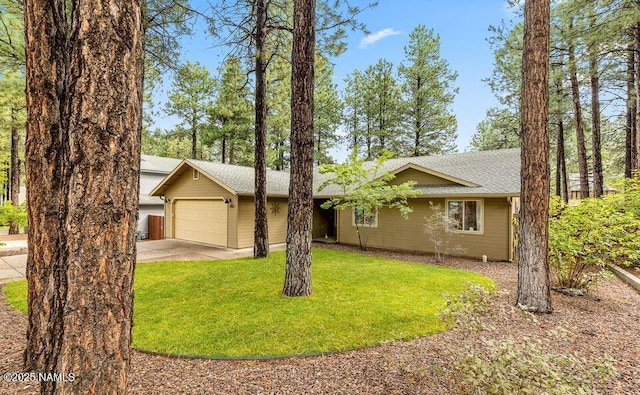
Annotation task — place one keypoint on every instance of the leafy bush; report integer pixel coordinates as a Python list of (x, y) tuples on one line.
[(466, 311), (523, 367), (583, 239), (514, 366), (10, 213)]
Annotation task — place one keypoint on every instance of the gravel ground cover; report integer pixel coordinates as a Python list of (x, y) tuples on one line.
[(606, 321)]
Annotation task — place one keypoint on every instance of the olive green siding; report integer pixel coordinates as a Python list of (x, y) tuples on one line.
[(168, 221), (393, 232), (185, 187), (276, 220), (420, 177)]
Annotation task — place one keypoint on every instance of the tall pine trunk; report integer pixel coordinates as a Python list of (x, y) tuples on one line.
[(598, 178), (261, 230), (223, 150), (635, 141), (298, 266), (631, 114), (14, 227), (533, 267), (577, 110), (84, 105), (194, 143), (561, 165), (417, 120)]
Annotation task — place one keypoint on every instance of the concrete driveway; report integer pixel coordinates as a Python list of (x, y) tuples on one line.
[(13, 267)]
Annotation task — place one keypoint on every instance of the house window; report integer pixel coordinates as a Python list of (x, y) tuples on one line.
[(467, 214), (365, 218), (196, 174)]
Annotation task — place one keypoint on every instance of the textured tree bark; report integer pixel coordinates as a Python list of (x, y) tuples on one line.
[(84, 95), (417, 123), (577, 109), (631, 114), (561, 165), (14, 228), (261, 230), (533, 268), (298, 266), (194, 143), (635, 142), (598, 178)]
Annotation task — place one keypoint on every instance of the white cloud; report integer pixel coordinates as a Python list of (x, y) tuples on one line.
[(377, 36)]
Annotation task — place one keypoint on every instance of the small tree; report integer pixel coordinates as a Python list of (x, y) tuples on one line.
[(441, 231), (366, 189), (10, 214)]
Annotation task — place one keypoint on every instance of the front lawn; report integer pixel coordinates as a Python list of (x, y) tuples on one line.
[(235, 308)]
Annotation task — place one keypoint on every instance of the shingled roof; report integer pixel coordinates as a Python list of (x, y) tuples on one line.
[(158, 164), (242, 178), (495, 173)]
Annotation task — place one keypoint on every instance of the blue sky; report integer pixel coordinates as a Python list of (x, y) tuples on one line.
[(463, 29)]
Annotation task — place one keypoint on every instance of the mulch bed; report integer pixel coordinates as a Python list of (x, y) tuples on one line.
[(605, 321)]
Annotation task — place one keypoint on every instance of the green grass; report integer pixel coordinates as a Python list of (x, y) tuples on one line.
[(16, 294), (235, 308)]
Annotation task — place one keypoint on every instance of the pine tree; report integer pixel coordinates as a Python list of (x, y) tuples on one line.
[(84, 99), (352, 116), (533, 266), (298, 263), (231, 116), (428, 89), (279, 121), (327, 112), (13, 106), (190, 98), (383, 107)]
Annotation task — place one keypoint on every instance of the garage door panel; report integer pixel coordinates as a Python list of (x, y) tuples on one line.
[(204, 221)]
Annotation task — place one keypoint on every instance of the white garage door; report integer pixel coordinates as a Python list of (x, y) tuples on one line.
[(201, 220)]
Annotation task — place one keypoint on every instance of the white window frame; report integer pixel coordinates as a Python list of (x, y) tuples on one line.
[(480, 219), (353, 220)]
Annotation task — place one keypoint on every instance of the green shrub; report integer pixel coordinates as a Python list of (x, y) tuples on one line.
[(466, 311), (513, 366), (584, 238), (522, 366), (10, 213)]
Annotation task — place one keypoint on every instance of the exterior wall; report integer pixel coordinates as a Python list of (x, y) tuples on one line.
[(168, 221), (143, 214), (148, 181), (186, 187), (393, 232), (420, 177), (277, 222)]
